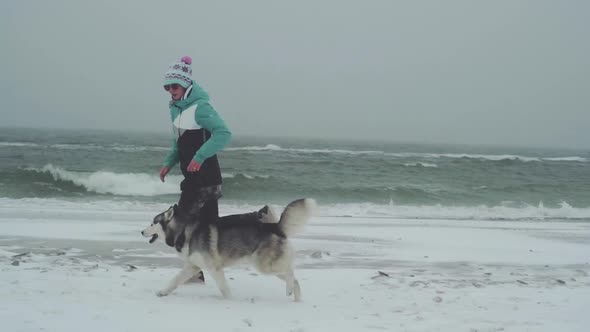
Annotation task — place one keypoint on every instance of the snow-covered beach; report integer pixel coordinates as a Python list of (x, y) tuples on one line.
[(446, 143), (66, 269)]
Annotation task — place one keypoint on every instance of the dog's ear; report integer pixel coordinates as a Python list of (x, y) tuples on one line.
[(169, 214)]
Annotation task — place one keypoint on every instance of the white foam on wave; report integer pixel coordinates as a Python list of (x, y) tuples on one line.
[(277, 148), (273, 147), (247, 176), (101, 205), (366, 210), (125, 184), (492, 157), (420, 165), (268, 147), (75, 146), (72, 146), (578, 159), (482, 212), (17, 144), (135, 148), (115, 147)]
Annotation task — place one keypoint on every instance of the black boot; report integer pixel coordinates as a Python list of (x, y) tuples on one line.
[(264, 215)]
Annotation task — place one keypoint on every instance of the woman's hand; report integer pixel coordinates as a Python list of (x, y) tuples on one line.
[(163, 172), (193, 166)]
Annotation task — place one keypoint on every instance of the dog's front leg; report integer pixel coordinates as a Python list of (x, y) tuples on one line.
[(185, 274), (219, 277)]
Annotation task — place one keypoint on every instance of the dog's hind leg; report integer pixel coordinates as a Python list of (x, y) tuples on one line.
[(219, 277), (185, 274), (297, 290), (292, 284), (289, 285)]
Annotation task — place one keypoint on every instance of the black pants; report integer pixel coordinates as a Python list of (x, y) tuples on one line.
[(201, 203)]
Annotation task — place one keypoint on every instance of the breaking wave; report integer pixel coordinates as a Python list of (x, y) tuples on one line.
[(124, 184)]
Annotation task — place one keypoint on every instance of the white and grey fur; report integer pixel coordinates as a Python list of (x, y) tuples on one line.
[(212, 246)]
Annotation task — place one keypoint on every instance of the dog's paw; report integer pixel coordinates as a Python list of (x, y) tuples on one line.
[(162, 293), (226, 295)]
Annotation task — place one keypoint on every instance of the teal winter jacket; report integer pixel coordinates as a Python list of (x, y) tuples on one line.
[(192, 112)]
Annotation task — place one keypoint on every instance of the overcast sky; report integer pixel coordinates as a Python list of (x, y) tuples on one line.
[(489, 72)]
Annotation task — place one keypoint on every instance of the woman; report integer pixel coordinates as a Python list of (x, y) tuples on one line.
[(199, 134)]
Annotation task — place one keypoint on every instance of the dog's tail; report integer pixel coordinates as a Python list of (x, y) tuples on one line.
[(296, 215)]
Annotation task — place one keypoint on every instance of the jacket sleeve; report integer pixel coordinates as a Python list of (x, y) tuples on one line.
[(172, 156), (208, 118)]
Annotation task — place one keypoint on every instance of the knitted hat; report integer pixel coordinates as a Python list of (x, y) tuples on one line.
[(180, 72)]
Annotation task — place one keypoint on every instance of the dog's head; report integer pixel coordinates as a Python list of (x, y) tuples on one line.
[(160, 225)]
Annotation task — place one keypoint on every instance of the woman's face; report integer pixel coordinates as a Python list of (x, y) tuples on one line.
[(176, 91)]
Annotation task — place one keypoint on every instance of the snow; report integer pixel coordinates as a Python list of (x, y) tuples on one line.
[(95, 272)]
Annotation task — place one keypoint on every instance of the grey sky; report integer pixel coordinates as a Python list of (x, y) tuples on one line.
[(490, 72)]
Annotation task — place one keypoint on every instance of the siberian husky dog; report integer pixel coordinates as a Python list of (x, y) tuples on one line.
[(256, 238)]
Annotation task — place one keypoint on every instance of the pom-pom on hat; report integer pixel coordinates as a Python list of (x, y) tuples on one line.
[(180, 72)]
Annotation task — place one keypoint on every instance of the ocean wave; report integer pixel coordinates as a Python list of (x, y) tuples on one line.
[(18, 144), (420, 165), (135, 148), (578, 159), (123, 184), (277, 148), (51, 180), (73, 146), (247, 176), (482, 212), (273, 147), (365, 210), (114, 147), (268, 147), (58, 204), (423, 155), (502, 157)]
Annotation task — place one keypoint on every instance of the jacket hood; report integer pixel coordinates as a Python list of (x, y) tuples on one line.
[(194, 94)]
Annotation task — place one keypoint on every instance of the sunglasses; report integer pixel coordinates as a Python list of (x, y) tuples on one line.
[(173, 86)]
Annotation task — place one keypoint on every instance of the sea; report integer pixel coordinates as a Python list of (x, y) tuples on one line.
[(117, 169)]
